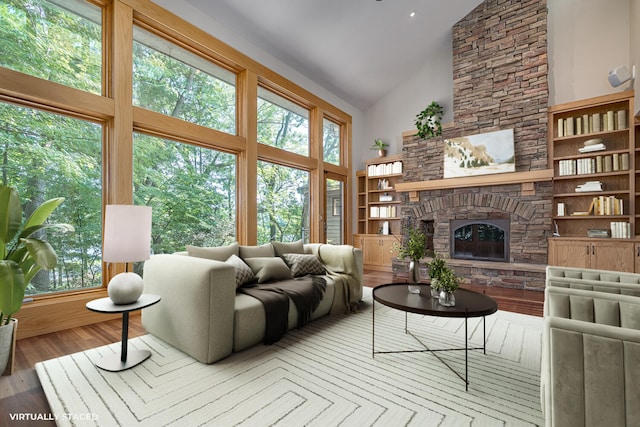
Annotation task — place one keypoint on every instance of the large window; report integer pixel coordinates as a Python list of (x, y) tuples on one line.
[(191, 189), (47, 155), (283, 203), (282, 123), (169, 80), (331, 142), (58, 41)]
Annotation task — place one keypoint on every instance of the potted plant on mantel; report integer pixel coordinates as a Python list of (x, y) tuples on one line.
[(21, 256), (381, 146), (415, 249)]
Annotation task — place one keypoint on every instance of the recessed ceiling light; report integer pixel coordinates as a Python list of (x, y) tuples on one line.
[(412, 14)]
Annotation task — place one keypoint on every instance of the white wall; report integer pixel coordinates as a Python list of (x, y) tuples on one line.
[(396, 112)]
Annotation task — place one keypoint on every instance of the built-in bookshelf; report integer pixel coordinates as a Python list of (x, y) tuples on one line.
[(593, 154), (383, 202), (591, 150), (379, 219)]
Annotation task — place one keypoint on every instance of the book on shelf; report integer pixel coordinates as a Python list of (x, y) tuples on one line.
[(621, 115), (594, 147), (580, 213), (589, 186)]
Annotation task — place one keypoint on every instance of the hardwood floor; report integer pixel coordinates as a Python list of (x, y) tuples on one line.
[(21, 393)]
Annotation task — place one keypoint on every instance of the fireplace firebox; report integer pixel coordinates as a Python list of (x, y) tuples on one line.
[(486, 239)]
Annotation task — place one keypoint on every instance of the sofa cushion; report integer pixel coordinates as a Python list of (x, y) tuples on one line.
[(269, 268), (244, 274), (303, 264), (257, 251), (217, 253), (282, 248)]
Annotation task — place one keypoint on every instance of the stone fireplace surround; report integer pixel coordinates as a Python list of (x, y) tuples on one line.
[(500, 67), (529, 230)]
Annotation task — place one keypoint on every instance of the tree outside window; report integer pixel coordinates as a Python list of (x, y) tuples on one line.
[(46, 155), (191, 189)]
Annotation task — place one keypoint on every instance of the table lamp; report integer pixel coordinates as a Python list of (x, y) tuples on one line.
[(127, 238)]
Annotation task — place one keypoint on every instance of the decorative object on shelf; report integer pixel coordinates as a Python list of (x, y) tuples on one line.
[(127, 238), (448, 284), (481, 154), (22, 256), (428, 121), (414, 247), (381, 146)]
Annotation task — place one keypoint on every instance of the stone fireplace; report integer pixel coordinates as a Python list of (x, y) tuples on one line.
[(499, 82)]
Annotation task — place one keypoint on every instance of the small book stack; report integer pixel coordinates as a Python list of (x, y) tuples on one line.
[(589, 186), (606, 205), (599, 233), (620, 230), (592, 145)]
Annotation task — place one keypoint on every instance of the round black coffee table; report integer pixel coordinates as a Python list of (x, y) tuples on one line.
[(468, 304)]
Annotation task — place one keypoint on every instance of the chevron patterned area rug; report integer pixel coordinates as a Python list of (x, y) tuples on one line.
[(321, 375)]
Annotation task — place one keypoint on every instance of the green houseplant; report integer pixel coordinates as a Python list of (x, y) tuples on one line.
[(22, 255), (415, 249), (428, 121), (380, 146), (448, 284), (437, 267)]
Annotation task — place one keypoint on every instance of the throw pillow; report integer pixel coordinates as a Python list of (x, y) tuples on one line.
[(303, 264), (218, 253), (269, 268), (288, 247), (244, 274), (261, 251)]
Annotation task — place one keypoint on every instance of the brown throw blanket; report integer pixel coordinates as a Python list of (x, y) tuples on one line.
[(306, 293)]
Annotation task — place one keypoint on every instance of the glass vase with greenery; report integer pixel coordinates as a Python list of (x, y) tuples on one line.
[(414, 248), (448, 284)]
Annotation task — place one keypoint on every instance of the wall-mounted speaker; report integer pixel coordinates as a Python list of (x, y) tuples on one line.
[(619, 75)]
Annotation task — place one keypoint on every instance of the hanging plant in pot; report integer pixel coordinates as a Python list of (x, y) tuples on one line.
[(21, 256), (415, 249), (428, 121)]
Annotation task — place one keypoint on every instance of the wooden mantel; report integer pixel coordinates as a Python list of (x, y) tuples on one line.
[(527, 179)]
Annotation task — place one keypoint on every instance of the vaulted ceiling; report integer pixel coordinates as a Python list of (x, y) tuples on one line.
[(357, 49)]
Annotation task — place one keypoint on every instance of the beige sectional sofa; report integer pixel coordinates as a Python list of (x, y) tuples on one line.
[(201, 312), (590, 372)]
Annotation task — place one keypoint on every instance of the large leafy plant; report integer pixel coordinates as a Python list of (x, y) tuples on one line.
[(21, 254)]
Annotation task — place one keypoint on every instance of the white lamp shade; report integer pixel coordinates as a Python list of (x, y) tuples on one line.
[(127, 233)]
